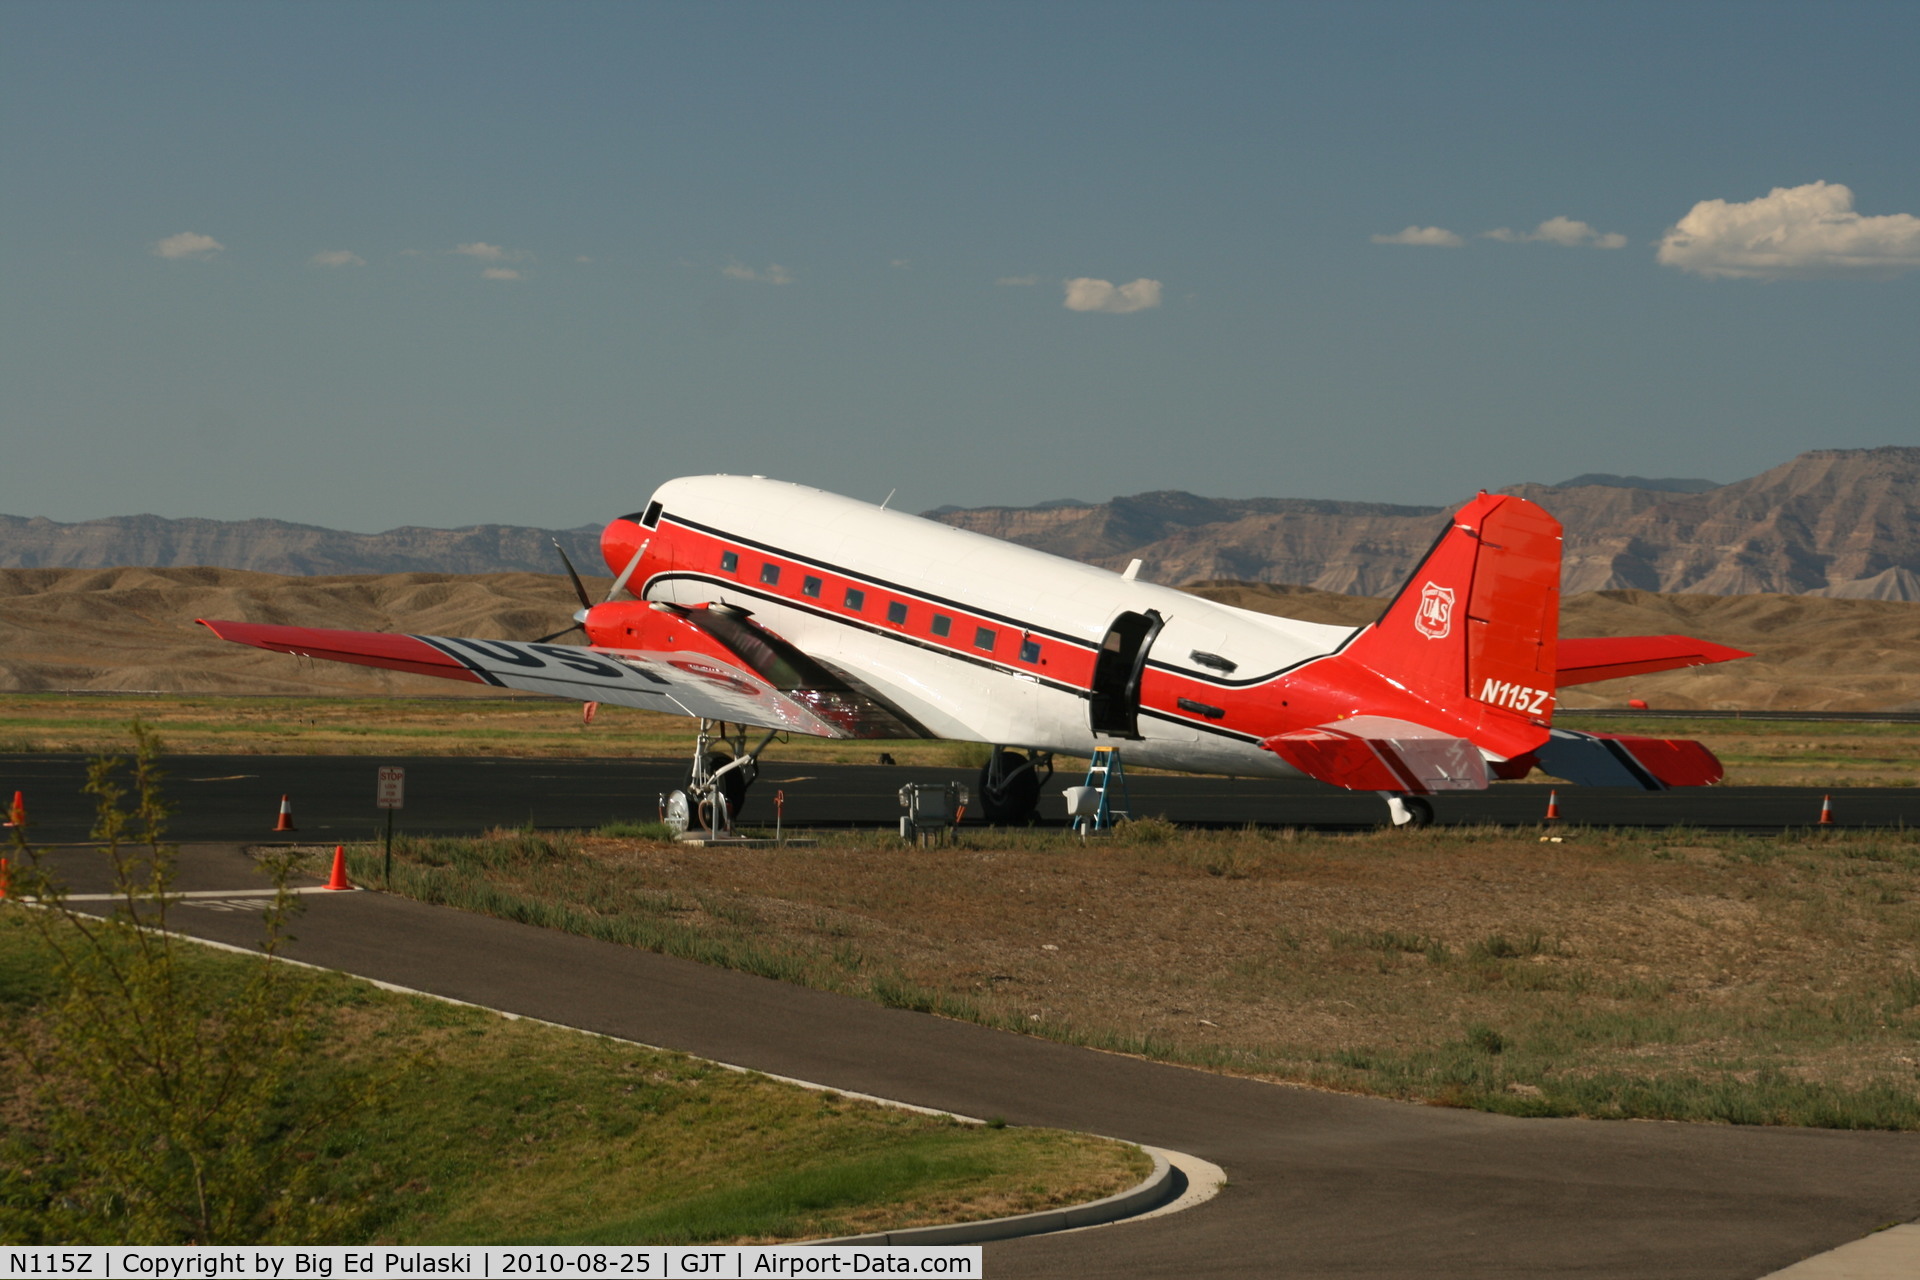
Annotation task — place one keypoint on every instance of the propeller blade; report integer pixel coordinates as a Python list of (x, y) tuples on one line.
[(556, 635), (579, 588), (620, 583)]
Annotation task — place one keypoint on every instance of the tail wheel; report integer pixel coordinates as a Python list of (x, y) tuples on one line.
[(733, 787), (1018, 797)]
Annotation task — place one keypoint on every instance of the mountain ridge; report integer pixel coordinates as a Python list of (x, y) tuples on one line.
[(1831, 522)]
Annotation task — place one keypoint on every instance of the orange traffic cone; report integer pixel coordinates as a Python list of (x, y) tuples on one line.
[(1553, 806), (6, 879), (286, 817), (339, 880), (1826, 811), (17, 815)]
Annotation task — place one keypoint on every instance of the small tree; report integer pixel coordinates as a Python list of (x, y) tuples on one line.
[(163, 1102)]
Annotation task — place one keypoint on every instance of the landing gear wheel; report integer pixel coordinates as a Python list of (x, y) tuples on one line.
[(1019, 795), (733, 787), (679, 812), (1410, 811)]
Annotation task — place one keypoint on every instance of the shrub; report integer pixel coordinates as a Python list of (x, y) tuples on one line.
[(162, 1111)]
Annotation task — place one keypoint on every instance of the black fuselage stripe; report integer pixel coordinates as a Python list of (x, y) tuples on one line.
[(916, 642), (861, 624), (960, 606), (881, 583)]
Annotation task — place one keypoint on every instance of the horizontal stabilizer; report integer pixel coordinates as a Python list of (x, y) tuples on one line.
[(680, 684), (1374, 753), (1610, 657), (1617, 760)]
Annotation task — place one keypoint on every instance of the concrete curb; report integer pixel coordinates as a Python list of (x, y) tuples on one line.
[(1166, 1183), (1892, 1254)]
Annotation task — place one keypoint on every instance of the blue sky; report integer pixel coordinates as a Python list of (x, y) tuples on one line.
[(372, 264)]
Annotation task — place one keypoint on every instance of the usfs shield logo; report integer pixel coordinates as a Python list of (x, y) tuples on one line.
[(1435, 619)]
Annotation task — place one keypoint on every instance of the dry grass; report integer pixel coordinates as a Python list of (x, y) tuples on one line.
[(1664, 974)]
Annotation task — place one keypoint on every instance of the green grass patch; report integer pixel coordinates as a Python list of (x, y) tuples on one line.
[(500, 1131)]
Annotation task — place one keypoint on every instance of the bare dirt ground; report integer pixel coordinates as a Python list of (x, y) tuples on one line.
[(133, 629)]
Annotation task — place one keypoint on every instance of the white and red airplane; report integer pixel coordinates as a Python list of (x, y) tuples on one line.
[(749, 602)]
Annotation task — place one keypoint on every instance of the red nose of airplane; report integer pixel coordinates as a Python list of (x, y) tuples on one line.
[(619, 540)]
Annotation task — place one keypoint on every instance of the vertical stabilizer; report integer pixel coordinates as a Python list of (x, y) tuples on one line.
[(1474, 631)]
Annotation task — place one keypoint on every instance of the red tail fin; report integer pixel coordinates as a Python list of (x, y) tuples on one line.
[(1473, 633)]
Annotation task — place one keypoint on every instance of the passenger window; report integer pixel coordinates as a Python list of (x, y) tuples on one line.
[(983, 638), (897, 613), (810, 586), (770, 574), (856, 600), (1029, 651), (942, 624), (729, 562)]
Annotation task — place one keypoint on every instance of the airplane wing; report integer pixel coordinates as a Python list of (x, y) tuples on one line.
[(1610, 657), (685, 684), (1376, 753)]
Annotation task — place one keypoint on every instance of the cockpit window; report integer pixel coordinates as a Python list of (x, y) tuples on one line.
[(651, 519)]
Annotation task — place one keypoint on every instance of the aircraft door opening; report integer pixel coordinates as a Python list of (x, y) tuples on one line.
[(1115, 706)]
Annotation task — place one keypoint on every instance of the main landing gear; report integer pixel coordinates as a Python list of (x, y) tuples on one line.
[(1408, 811), (717, 783), (1010, 785)]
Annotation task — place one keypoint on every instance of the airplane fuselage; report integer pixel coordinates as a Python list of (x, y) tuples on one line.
[(974, 638)]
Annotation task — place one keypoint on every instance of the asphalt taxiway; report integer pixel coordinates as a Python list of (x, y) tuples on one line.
[(237, 797), (1322, 1184)]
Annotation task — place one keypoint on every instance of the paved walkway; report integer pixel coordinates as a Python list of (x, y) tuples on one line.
[(1321, 1184)]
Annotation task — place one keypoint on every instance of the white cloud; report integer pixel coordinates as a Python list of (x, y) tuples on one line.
[(485, 252), (1018, 280), (1437, 237), (188, 244), (901, 263), (1086, 294), (1792, 233), (1569, 232), (499, 273), (774, 274), (337, 258)]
